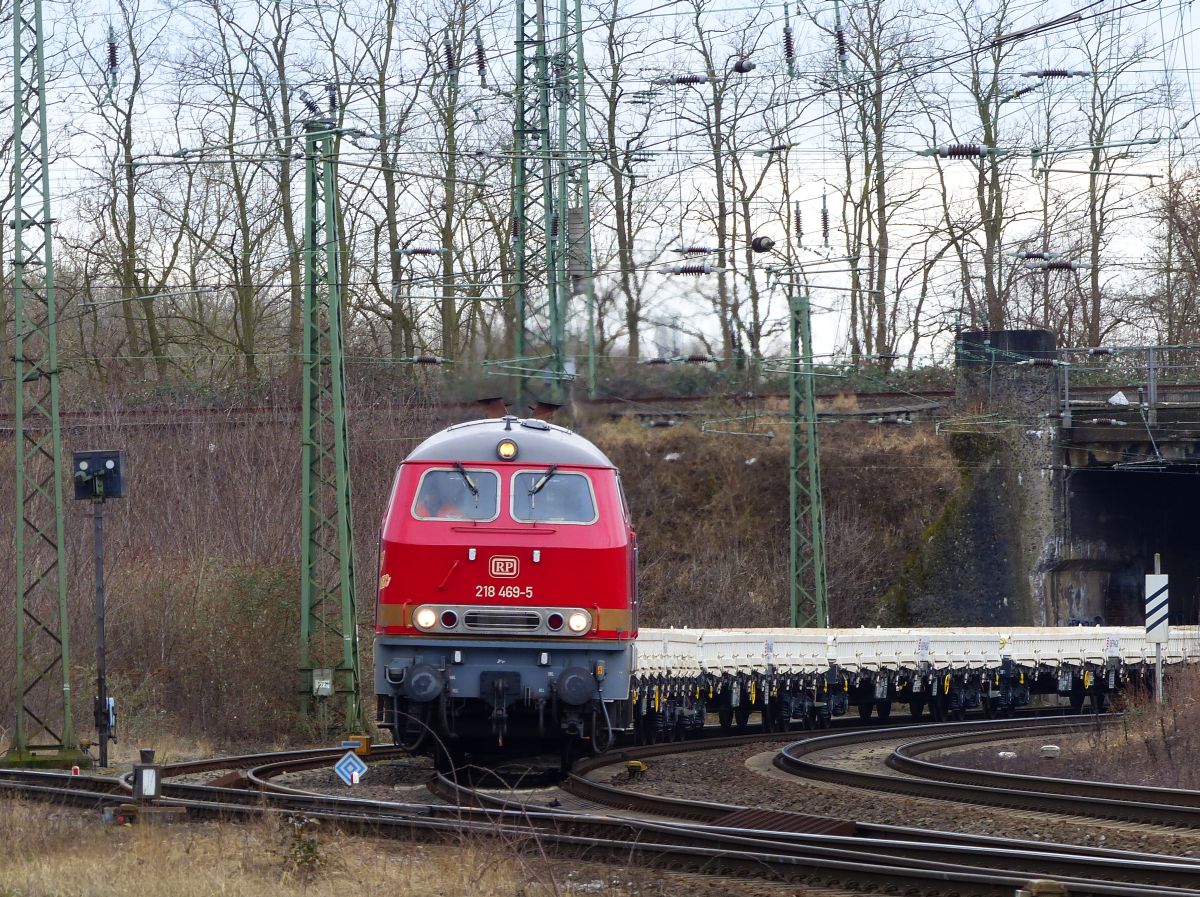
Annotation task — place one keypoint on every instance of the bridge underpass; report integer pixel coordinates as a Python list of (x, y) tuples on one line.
[(1132, 488), (1092, 467)]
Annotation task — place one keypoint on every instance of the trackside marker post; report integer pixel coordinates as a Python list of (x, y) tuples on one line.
[(1157, 617), (350, 768)]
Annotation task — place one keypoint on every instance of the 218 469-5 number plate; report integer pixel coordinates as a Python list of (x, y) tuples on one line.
[(504, 591)]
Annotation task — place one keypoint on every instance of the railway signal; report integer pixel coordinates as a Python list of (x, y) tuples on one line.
[(99, 476)]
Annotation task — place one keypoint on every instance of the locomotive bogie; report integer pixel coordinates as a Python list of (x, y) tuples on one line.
[(572, 672)]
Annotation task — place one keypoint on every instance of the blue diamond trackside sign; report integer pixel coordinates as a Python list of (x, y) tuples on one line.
[(350, 768)]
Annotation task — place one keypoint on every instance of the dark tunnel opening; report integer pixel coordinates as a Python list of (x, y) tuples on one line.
[(1117, 520)]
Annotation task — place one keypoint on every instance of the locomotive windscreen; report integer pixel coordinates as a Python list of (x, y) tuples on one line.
[(553, 497), (457, 494)]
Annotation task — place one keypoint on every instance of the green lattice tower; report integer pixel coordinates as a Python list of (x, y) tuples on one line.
[(328, 614), (44, 733), (807, 543), (572, 251), (551, 196), (528, 144)]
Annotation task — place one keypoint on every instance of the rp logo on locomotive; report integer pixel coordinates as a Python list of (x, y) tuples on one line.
[(504, 566)]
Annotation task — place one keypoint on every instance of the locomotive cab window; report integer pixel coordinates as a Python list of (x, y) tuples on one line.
[(457, 493), (551, 496)]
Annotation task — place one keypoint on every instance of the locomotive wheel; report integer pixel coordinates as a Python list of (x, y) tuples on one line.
[(864, 710), (768, 718), (650, 727), (742, 714), (824, 720), (447, 760), (566, 756), (725, 718)]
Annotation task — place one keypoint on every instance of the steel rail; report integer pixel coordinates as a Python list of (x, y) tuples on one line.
[(991, 789), (711, 849), (1182, 804)]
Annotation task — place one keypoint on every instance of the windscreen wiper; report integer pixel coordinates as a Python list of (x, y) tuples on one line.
[(543, 480), (462, 472)]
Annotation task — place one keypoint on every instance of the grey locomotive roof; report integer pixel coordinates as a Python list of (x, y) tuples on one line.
[(537, 443)]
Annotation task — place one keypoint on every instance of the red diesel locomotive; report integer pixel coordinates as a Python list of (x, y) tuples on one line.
[(507, 604)]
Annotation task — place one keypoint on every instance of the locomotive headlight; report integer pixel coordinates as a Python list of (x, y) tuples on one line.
[(579, 621), (425, 618), (506, 450)]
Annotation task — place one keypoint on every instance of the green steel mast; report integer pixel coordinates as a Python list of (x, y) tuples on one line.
[(551, 202), (530, 172), (44, 733), (807, 543), (585, 200), (329, 653)]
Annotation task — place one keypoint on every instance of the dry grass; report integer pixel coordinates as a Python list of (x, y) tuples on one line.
[(1150, 745), (713, 523), (55, 852), (65, 854)]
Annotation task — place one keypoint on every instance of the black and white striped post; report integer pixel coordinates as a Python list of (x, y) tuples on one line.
[(1157, 614)]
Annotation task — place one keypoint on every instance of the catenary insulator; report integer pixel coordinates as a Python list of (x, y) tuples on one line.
[(448, 47), (332, 96), (962, 151), (310, 104), (1035, 254), (1062, 265), (699, 358), (692, 270), (480, 59), (797, 223), (824, 220), (554, 225), (428, 359), (423, 250), (112, 49), (1020, 92), (695, 250), (516, 226), (683, 79), (762, 244), (789, 44), (840, 37), (743, 66), (1055, 73)]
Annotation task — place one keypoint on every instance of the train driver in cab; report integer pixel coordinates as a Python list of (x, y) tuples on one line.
[(456, 494)]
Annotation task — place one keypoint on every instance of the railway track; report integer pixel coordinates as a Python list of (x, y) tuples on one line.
[(663, 833), (1162, 807)]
